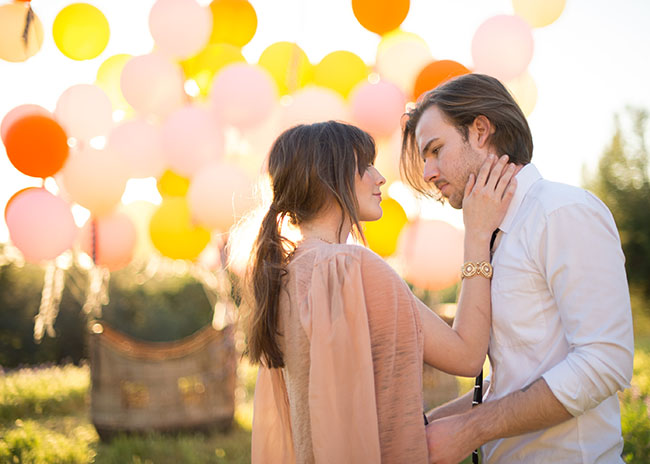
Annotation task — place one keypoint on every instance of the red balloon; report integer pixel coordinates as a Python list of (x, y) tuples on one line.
[(37, 146), (436, 73)]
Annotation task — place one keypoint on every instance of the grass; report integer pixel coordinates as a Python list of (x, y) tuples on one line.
[(44, 420)]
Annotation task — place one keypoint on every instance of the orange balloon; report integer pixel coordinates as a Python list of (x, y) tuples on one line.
[(436, 73), (380, 16), (37, 146)]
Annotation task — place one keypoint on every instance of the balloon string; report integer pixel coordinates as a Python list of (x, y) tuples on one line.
[(93, 230), (28, 22)]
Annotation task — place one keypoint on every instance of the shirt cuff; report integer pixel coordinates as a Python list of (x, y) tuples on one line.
[(568, 389)]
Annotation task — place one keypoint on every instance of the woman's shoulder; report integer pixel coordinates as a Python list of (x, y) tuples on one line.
[(346, 258)]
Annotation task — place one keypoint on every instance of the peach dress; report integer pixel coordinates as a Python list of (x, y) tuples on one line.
[(351, 388)]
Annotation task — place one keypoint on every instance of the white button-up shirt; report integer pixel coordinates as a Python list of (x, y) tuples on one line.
[(561, 311)]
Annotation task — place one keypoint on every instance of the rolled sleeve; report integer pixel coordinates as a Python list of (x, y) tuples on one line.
[(581, 254)]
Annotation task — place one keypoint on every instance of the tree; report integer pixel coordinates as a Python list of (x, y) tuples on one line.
[(622, 182)]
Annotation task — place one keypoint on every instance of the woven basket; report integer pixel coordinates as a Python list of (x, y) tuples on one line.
[(141, 387)]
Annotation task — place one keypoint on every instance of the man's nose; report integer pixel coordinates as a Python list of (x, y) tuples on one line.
[(431, 172)]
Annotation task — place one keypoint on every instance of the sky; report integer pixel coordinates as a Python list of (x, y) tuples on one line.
[(588, 65)]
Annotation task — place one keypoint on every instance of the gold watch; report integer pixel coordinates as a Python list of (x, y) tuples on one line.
[(471, 269)]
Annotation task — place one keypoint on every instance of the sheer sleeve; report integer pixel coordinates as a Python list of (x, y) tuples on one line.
[(342, 401), (271, 440)]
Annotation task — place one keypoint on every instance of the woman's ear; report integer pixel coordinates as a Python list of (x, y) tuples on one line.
[(481, 130)]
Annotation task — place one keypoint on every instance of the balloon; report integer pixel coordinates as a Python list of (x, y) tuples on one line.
[(191, 137), (80, 31), (234, 22), (400, 58), (431, 253), (202, 67), (40, 224), (95, 179), (436, 73), (539, 13), (524, 90), (314, 104), (180, 28), (382, 235), (219, 194), (84, 111), (114, 240), (502, 47), (13, 45), (288, 65), (139, 144), (243, 95), (340, 71), (153, 85), (171, 184), (108, 79), (20, 112), (172, 233), (37, 145), (377, 108), (380, 16)]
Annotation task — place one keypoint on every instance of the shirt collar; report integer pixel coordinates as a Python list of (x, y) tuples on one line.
[(526, 177)]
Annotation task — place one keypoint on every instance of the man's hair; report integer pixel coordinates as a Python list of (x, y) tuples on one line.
[(461, 100)]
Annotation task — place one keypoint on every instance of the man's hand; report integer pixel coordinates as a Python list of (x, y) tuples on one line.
[(448, 440)]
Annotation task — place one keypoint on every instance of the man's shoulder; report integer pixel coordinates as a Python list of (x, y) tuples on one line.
[(552, 196)]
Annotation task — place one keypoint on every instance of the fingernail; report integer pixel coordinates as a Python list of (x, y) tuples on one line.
[(492, 156), (505, 157)]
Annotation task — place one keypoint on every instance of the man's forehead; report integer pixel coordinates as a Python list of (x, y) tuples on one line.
[(427, 127)]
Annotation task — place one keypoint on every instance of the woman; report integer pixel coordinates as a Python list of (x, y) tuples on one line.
[(339, 336)]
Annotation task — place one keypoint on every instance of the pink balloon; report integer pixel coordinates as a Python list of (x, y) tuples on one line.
[(314, 104), (95, 179), (219, 194), (153, 85), (18, 113), (191, 138), (377, 108), (114, 240), (84, 111), (502, 47), (180, 28), (40, 224), (243, 95), (139, 145), (432, 253)]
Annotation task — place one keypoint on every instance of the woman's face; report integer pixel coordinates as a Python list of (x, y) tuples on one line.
[(368, 194)]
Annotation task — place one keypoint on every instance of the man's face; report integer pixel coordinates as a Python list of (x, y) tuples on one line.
[(448, 158)]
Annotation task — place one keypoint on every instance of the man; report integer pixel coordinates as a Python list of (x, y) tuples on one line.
[(561, 343)]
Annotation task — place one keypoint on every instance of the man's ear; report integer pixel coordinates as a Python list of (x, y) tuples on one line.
[(481, 130)]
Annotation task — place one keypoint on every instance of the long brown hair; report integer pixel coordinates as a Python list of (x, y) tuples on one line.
[(311, 167), (461, 100)]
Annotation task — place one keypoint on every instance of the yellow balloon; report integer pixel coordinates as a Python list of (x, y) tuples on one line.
[(171, 184), (233, 22), (202, 67), (288, 65), (14, 47), (382, 235), (172, 232), (524, 90), (539, 13), (108, 79), (340, 71), (80, 31)]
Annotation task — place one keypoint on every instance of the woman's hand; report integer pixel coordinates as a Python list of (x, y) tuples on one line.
[(487, 196)]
